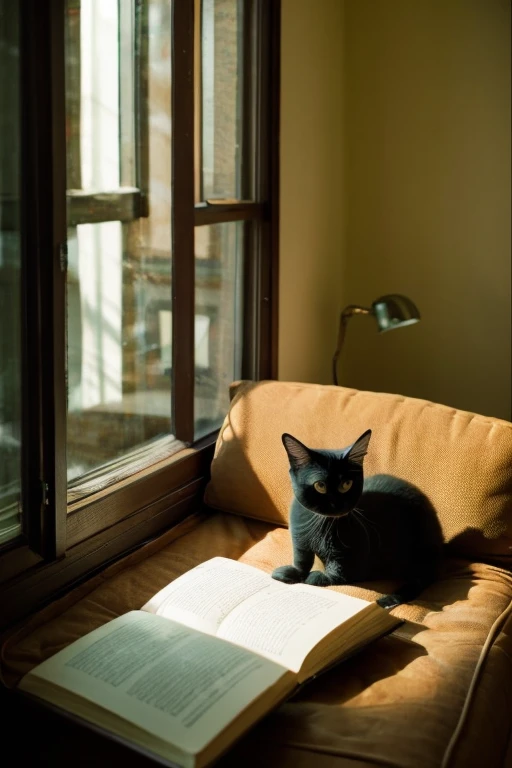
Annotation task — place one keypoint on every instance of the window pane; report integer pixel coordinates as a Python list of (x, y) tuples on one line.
[(92, 93), (10, 266), (221, 102), (218, 321), (119, 274)]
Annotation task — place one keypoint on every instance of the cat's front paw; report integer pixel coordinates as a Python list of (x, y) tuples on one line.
[(318, 579), (288, 573)]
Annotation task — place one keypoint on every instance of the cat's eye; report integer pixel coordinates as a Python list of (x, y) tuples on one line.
[(345, 486), (320, 487)]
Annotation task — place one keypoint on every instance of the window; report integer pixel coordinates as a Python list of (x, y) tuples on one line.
[(138, 232), (10, 277), (119, 239)]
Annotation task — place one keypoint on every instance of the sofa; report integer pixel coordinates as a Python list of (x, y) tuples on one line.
[(437, 692)]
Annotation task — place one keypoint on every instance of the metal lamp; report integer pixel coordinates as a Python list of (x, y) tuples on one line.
[(391, 311)]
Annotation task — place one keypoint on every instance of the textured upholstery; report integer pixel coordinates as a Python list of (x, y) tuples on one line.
[(435, 693), (461, 460)]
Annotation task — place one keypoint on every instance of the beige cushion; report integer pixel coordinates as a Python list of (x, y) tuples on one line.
[(462, 461), (400, 703)]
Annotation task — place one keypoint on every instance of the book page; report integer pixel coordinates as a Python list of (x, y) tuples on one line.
[(285, 626), (177, 684), (205, 595)]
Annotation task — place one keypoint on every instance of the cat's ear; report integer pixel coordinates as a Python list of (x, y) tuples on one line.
[(358, 450), (298, 454)]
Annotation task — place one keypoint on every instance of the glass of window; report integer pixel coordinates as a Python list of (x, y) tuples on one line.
[(118, 74), (218, 321), (219, 102), (10, 274)]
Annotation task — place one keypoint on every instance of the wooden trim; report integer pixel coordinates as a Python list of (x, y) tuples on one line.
[(16, 558), (31, 397), (36, 588), (274, 79), (55, 544), (44, 245), (120, 471), (142, 103), (100, 511), (118, 505), (260, 94), (198, 102), (265, 239), (183, 273), (251, 162), (205, 213), (261, 243), (124, 204), (248, 187)]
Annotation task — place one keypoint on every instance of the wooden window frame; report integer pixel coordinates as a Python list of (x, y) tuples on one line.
[(62, 545)]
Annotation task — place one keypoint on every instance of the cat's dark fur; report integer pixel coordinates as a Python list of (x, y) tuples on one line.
[(363, 529)]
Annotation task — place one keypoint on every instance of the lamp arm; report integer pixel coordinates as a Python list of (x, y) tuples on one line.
[(352, 309)]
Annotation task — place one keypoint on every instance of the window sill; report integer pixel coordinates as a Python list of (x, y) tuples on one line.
[(106, 526), (140, 490)]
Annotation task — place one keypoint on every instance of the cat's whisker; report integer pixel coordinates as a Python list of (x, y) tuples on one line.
[(327, 527), (368, 521), (314, 530), (361, 512), (311, 523), (374, 528), (361, 523), (345, 546), (315, 525)]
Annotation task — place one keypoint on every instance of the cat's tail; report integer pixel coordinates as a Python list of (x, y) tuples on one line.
[(428, 568), (407, 592)]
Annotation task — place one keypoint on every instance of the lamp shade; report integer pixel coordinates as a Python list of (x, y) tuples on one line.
[(393, 311)]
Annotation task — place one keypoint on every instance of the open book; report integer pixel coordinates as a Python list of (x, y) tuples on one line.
[(205, 658)]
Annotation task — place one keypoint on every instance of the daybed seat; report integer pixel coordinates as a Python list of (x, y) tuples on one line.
[(438, 691)]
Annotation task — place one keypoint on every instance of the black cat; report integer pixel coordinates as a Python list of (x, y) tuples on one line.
[(381, 527)]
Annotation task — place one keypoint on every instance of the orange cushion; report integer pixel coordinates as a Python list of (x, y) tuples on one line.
[(399, 702), (461, 460)]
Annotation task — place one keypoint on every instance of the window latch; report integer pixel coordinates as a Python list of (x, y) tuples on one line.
[(44, 493), (63, 256)]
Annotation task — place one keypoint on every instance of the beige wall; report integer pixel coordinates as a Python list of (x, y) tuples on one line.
[(428, 197), (311, 197), (423, 146)]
